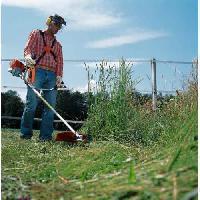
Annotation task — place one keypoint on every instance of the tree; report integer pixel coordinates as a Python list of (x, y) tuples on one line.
[(72, 105), (11, 105)]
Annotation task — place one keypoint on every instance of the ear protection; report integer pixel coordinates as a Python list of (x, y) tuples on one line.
[(49, 20)]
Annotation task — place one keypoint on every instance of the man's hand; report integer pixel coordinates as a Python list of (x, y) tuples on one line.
[(15, 72), (58, 81), (29, 60)]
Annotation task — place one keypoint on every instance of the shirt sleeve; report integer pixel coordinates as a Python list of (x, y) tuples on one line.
[(30, 47), (59, 66)]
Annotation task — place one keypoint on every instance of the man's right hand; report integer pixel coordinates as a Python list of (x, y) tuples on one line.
[(29, 60), (15, 71)]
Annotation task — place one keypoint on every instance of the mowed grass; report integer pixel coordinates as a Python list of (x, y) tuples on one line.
[(102, 169)]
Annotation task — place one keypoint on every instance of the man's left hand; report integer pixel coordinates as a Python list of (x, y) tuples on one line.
[(58, 81)]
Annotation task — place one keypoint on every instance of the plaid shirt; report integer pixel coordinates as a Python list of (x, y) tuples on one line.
[(35, 47)]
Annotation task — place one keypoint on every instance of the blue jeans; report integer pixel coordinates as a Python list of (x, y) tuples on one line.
[(46, 80)]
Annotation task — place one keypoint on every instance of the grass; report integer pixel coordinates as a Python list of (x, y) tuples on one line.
[(136, 153), (100, 170), (116, 114)]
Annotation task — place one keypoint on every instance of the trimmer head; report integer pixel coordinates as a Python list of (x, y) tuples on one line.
[(69, 136)]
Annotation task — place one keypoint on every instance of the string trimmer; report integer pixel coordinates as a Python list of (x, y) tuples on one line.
[(68, 136)]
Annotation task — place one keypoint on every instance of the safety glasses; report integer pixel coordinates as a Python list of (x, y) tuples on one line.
[(57, 25)]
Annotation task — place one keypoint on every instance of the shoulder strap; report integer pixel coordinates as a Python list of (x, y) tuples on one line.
[(52, 53), (53, 42), (42, 34), (43, 53)]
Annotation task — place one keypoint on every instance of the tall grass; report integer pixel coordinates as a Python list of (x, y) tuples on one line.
[(114, 113), (109, 112)]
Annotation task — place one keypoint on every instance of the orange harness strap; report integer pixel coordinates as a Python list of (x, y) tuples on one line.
[(31, 75), (47, 49)]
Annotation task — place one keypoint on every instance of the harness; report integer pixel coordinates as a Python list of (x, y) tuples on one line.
[(47, 49)]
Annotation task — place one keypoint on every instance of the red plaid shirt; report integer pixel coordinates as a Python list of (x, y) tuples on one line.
[(35, 46)]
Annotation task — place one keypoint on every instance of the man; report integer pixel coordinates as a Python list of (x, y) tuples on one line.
[(43, 53)]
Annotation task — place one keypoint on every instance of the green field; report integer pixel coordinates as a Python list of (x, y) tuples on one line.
[(136, 153), (100, 170)]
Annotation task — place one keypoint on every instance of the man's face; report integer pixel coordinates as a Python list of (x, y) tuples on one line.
[(55, 27)]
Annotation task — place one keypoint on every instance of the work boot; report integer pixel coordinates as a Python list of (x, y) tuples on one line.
[(41, 139), (25, 137)]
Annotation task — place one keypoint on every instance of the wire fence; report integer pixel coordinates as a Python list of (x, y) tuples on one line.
[(164, 77), (114, 60), (136, 63), (39, 119)]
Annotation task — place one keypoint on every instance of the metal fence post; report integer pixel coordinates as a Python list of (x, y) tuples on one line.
[(154, 86)]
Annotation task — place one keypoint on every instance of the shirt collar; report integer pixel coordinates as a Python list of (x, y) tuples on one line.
[(48, 35)]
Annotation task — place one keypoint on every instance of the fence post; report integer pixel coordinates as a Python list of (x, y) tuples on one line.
[(154, 86)]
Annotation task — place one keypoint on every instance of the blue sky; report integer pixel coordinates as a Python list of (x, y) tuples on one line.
[(100, 29)]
